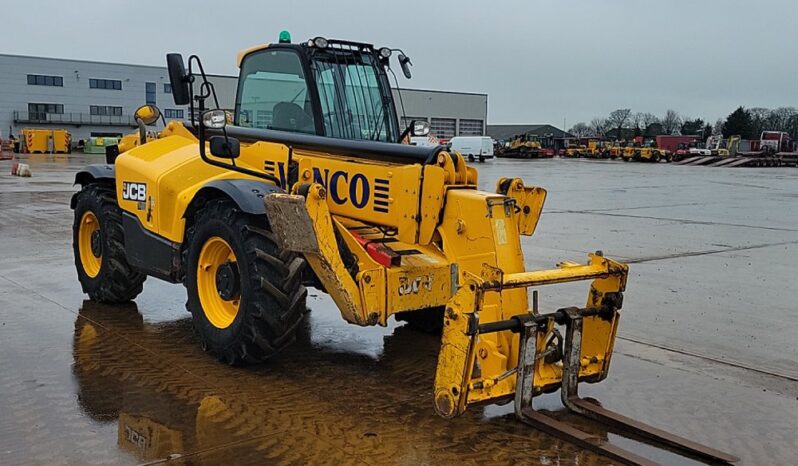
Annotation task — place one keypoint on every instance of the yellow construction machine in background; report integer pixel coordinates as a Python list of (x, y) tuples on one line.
[(45, 141), (523, 146), (645, 153)]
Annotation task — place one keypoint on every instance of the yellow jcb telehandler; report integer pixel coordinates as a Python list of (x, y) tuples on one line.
[(312, 171), (645, 153)]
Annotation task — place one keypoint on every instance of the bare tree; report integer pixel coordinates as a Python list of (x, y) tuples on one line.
[(759, 120), (671, 122), (779, 119), (792, 126), (635, 120), (618, 118), (717, 128), (647, 119), (580, 130), (598, 127)]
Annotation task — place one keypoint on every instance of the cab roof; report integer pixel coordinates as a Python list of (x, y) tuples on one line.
[(333, 44)]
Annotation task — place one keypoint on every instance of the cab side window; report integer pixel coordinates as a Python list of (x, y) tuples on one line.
[(273, 93)]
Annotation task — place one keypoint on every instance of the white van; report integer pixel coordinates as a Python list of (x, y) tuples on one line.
[(473, 148)]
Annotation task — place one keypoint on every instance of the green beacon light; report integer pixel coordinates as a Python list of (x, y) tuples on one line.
[(285, 37)]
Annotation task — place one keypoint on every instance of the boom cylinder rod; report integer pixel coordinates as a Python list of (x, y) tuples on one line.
[(549, 277)]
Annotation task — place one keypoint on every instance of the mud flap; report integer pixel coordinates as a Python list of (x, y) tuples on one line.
[(304, 225), (291, 224)]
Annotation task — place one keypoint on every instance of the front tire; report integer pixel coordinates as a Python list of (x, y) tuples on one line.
[(244, 293), (98, 242)]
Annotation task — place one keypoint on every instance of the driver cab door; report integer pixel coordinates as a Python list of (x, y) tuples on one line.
[(273, 93)]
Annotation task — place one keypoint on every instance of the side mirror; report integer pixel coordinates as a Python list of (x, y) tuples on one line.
[(404, 62), (225, 147), (419, 128), (178, 78), (148, 114)]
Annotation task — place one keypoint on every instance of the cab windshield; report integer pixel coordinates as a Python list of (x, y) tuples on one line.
[(273, 93), (354, 95), (350, 89)]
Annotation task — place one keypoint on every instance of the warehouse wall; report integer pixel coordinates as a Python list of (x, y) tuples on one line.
[(449, 113), (74, 97)]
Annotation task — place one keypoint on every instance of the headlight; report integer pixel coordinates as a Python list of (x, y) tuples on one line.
[(385, 52), (214, 119), (320, 42)]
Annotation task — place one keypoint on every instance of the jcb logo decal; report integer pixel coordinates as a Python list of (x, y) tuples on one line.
[(414, 285), (344, 187), (134, 191)]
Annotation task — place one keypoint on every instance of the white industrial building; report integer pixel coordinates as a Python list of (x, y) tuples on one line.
[(88, 98), (92, 98), (448, 113)]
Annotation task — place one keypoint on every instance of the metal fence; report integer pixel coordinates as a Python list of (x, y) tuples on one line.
[(71, 118)]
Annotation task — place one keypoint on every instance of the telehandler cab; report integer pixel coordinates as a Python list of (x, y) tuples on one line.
[(311, 169)]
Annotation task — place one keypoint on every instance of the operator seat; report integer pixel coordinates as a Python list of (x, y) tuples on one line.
[(288, 116)]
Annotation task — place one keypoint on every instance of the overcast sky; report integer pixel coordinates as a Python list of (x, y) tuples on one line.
[(538, 61)]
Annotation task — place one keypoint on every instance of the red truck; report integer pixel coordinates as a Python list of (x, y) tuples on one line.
[(774, 141), (671, 143)]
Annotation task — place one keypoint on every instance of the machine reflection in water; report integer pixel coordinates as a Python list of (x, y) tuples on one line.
[(313, 405)]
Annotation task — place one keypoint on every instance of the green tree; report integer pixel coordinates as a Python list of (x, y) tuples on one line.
[(690, 127), (654, 129), (739, 122), (707, 132)]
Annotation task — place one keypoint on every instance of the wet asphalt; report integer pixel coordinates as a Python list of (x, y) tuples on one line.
[(707, 342)]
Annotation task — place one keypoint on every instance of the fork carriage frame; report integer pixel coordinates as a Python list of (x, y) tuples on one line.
[(462, 346)]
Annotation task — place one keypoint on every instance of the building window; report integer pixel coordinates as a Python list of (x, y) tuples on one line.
[(263, 118), (149, 89), (443, 128), (167, 88), (113, 84), (173, 113), (470, 127), (42, 80), (40, 111), (105, 110)]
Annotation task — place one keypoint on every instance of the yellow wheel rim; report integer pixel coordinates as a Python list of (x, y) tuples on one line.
[(90, 244), (216, 253)]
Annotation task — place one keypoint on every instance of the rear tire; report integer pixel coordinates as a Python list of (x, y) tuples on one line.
[(98, 243), (267, 304)]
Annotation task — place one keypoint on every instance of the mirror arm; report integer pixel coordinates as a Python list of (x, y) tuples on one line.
[(406, 132), (207, 90), (227, 142), (142, 131)]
